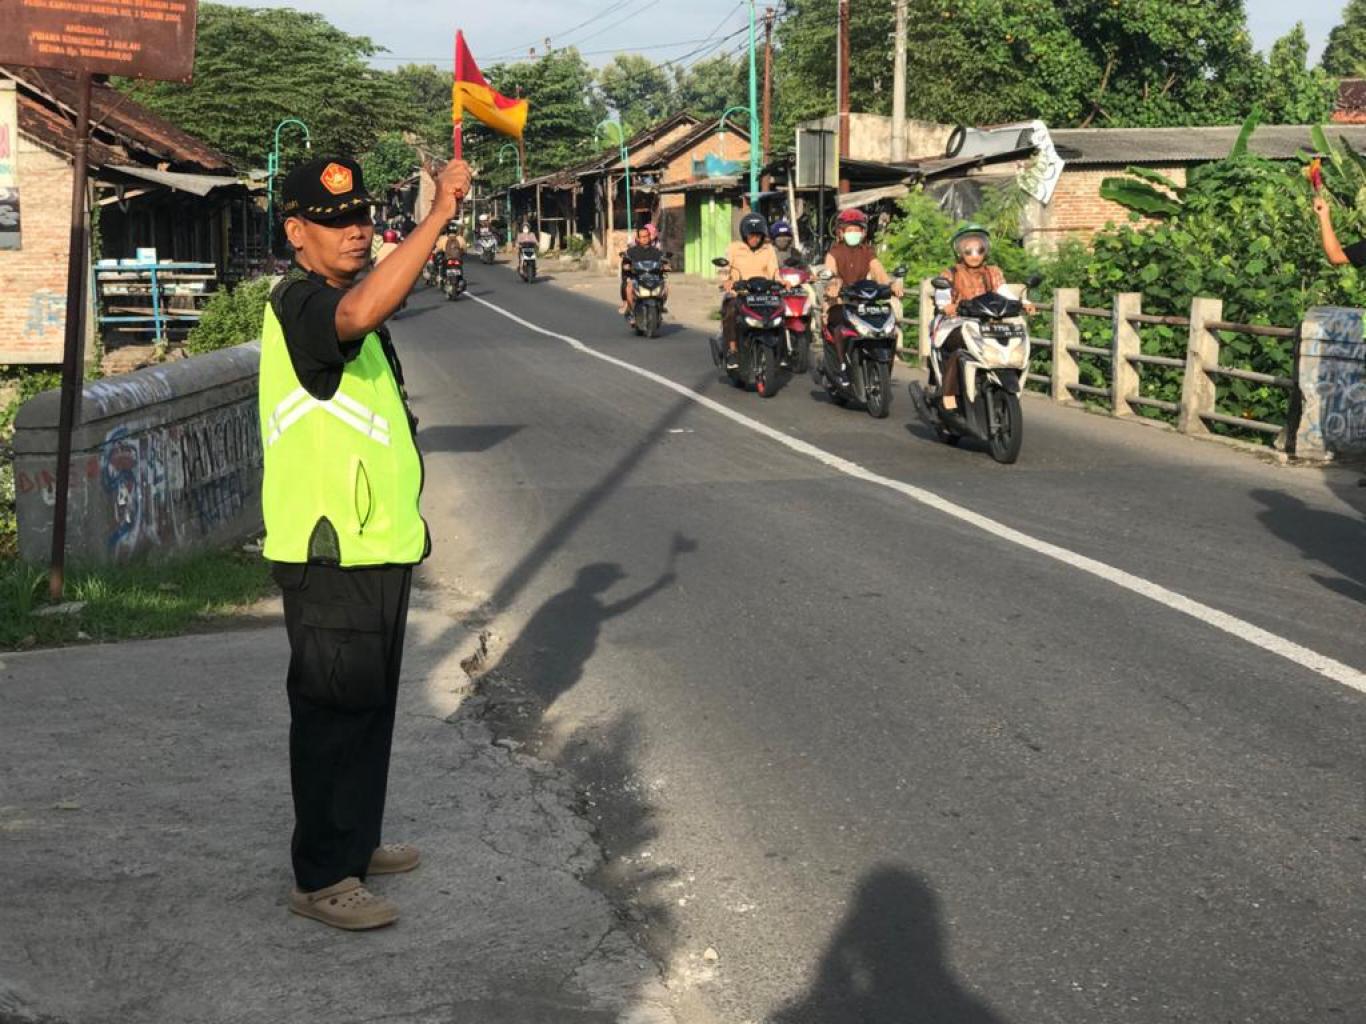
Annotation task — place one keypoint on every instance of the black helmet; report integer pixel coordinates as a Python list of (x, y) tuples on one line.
[(753, 224)]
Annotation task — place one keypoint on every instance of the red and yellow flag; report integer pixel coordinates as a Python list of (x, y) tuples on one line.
[(474, 95)]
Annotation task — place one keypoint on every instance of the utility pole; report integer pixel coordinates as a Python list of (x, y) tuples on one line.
[(768, 76), (844, 91), (899, 86), (753, 119)]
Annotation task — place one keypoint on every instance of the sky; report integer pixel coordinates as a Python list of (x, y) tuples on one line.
[(419, 31)]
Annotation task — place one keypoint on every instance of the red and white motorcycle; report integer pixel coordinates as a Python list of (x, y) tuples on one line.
[(799, 309)]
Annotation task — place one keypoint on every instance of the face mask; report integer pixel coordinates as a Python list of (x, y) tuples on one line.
[(852, 238), (782, 243)]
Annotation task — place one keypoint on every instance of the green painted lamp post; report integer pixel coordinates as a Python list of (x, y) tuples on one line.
[(626, 162), (273, 168), (753, 125), (753, 155), (521, 176)]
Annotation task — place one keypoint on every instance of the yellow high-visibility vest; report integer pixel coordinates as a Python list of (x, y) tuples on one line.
[(342, 477)]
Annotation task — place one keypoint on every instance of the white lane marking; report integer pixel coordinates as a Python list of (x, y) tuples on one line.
[(1231, 624)]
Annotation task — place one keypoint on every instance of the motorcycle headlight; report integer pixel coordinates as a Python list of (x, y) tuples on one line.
[(754, 321)]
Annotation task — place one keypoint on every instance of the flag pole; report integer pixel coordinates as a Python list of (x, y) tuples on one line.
[(457, 114)]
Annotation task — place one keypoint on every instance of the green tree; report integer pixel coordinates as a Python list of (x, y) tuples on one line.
[(1345, 54), (1294, 93), (804, 63), (710, 86), (988, 61), (426, 94), (637, 89), (388, 162), (1160, 63), (1069, 62), (256, 66)]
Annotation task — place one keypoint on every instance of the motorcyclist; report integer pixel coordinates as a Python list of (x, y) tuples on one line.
[(850, 259), (527, 237), (645, 248), (751, 256), (972, 276), (780, 233), (454, 245)]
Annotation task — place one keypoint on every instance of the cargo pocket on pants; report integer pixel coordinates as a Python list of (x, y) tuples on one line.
[(344, 665)]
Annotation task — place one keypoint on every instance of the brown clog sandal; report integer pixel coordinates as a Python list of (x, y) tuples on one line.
[(393, 859), (348, 905)]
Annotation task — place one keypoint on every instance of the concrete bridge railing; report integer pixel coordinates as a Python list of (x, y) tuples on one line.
[(1326, 395), (164, 460)]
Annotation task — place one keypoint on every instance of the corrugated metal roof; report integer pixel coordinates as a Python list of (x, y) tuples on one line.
[(1118, 146), (117, 123), (196, 184)]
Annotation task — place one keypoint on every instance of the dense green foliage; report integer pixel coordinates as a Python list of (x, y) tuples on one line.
[(230, 317), (257, 66), (1345, 53), (1069, 62), (1296, 93), (638, 89), (389, 161)]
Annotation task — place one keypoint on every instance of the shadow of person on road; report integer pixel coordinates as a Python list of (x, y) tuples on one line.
[(1332, 539), (549, 655), (886, 963)]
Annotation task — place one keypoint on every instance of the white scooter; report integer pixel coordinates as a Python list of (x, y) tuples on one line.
[(992, 366)]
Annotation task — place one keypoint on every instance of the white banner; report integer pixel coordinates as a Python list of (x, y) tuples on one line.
[(9, 166)]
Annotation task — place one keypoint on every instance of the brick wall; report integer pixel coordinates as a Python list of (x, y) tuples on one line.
[(1078, 211), (33, 278), (729, 145)]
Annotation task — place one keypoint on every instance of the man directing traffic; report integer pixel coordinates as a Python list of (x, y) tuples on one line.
[(340, 494)]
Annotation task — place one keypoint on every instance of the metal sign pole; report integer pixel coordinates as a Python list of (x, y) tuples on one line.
[(77, 260)]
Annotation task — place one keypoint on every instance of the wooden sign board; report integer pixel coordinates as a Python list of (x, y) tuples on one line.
[(135, 38)]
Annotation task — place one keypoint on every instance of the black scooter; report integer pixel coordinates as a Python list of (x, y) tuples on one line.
[(760, 340), (869, 335)]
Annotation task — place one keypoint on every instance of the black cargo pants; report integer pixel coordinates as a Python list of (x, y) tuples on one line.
[(345, 631)]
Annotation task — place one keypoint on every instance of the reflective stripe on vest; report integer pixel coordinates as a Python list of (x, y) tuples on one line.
[(299, 403)]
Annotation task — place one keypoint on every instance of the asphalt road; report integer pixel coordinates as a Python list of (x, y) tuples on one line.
[(888, 762)]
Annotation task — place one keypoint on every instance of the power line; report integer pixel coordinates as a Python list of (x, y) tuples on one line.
[(573, 28), (582, 53), (618, 22)]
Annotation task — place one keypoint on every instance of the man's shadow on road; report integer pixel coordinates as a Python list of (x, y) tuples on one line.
[(886, 963), (548, 657)]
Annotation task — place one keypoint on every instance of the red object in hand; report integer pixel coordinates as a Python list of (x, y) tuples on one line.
[(1314, 172)]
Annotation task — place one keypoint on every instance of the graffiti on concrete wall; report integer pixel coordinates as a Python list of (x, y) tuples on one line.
[(1332, 379), (169, 483)]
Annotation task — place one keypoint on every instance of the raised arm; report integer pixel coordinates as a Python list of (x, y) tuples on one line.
[(1332, 248), (366, 306)]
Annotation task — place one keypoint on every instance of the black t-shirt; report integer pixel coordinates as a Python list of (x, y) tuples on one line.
[(1356, 253), (306, 306), (637, 253)]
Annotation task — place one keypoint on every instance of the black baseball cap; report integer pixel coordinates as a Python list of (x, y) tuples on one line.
[(325, 189)]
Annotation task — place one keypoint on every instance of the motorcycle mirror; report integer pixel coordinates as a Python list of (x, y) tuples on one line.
[(1034, 280), (899, 272), (942, 282), (720, 261)]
